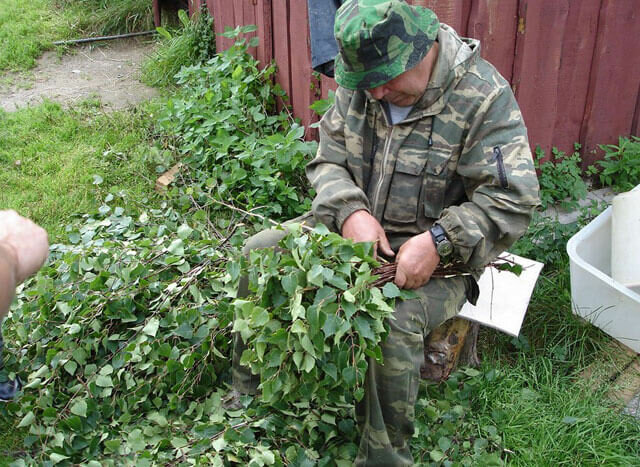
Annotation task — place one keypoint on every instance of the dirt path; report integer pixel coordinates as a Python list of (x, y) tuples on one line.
[(108, 71)]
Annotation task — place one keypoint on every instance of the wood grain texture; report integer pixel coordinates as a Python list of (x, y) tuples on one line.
[(301, 92), (495, 25), (613, 89), (537, 63), (573, 64), (281, 43), (575, 68)]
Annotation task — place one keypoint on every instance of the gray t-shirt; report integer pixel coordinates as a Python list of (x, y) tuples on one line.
[(397, 113)]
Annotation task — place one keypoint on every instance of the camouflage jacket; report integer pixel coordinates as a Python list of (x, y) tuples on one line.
[(461, 158)]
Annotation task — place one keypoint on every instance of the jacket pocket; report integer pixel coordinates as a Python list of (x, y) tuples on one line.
[(406, 183), (434, 183)]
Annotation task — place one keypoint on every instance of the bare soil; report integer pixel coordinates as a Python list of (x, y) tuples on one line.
[(108, 71)]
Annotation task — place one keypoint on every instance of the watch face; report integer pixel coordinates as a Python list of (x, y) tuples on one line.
[(445, 248)]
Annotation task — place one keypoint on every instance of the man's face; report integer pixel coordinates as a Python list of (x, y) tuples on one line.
[(407, 88)]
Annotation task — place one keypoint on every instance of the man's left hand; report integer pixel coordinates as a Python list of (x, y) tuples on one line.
[(416, 261)]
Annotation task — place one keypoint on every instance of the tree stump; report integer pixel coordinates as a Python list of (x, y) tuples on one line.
[(453, 342)]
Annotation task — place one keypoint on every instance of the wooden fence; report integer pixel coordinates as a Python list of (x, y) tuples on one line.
[(574, 65)]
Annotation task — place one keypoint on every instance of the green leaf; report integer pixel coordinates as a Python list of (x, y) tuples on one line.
[(290, 283), (151, 328), (136, 441), (390, 290), (363, 328), (185, 330), (71, 367), (309, 363), (27, 420), (176, 248), (104, 381), (298, 327), (348, 296), (306, 344), (79, 408), (57, 458), (184, 231)]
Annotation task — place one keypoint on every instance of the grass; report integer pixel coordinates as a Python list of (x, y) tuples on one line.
[(29, 28), (51, 157), (548, 418), (60, 151), (106, 17)]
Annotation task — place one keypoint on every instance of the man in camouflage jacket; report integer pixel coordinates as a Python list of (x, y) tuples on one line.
[(425, 149)]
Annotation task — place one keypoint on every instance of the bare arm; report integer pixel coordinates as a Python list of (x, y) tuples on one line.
[(24, 247)]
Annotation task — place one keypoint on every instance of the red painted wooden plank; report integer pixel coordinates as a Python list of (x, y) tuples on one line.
[(265, 31), (281, 50), (156, 13), (613, 90), (237, 12), (222, 17), (635, 127), (537, 64), (327, 84), (495, 26), (466, 14), (575, 67), (451, 12), (301, 93), (248, 13)]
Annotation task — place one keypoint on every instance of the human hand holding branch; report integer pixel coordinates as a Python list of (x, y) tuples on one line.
[(361, 226)]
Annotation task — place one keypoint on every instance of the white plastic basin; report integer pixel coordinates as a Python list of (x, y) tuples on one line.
[(607, 304)]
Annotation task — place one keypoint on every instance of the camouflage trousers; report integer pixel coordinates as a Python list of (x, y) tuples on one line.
[(386, 414)]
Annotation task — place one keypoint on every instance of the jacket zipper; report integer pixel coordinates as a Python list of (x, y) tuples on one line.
[(387, 145)]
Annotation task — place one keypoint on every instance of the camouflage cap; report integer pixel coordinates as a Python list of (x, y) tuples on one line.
[(380, 39)]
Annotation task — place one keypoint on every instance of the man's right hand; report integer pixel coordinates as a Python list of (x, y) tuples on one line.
[(24, 243), (361, 226)]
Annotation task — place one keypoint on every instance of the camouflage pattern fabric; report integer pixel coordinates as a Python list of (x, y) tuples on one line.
[(379, 40), (461, 158)]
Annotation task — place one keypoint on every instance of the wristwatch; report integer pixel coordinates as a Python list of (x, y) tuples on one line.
[(443, 244)]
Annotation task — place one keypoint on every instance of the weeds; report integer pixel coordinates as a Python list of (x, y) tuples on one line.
[(192, 45), (560, 178), (620, 168), (106, 17)]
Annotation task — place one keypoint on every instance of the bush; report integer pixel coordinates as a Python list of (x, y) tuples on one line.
[(224, 122)]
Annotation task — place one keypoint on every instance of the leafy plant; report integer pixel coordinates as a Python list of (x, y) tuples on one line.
[(314, 318), (191, 45), (560, 178), (120, 338), (620, 168), (447, 432), (224, 122), (124, 345)]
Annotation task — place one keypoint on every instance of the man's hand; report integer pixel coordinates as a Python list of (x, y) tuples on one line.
[(363, 227), (24, 243), (417, 259)]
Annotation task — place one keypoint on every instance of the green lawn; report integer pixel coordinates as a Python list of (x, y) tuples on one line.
[(26, 29), (29, 28), (53, 160)]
